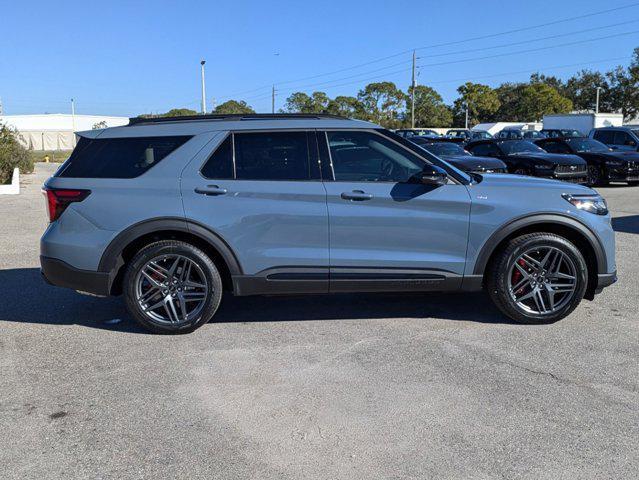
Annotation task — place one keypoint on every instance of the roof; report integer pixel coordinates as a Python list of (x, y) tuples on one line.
[(193, 125)]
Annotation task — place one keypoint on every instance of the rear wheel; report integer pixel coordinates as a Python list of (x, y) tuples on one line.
[(172, 287), (537, 278)]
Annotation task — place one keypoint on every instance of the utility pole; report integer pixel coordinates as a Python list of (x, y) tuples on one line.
[(203, 88), (412, 96), (273, 100), (597, 102), (466, 125), (72, 121)]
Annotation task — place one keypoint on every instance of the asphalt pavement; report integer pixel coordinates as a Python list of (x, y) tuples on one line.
[(330, 387)]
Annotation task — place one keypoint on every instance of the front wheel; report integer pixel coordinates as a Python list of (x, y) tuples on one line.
[(596, 176), (538, 278), (172, 287)]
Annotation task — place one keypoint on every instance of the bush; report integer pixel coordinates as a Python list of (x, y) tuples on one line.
[(12, 155)]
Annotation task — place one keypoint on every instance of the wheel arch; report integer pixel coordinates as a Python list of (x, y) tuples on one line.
[(128, 242), (568, 227)]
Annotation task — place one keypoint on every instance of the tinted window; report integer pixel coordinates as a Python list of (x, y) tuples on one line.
[(622, 138), (519, 147), (605, 136), (367, 157), (220, 163), (587, 145), (484, 149), (272, 156), (555, 147), (118, 157), (444, 149)]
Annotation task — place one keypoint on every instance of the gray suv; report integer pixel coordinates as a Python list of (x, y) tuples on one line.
[(173, 212)]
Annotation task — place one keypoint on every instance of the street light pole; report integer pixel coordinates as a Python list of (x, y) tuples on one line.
[(597, 101), (412, 96), (466, 105), (203, 88), (273, 100)]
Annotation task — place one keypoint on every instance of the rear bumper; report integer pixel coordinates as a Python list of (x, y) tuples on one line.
[(61, 274)]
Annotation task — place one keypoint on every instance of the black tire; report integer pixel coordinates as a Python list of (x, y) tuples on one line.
[(209, 305), (596, 176), (498, 281)]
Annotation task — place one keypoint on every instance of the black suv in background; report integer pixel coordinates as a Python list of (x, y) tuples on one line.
[(604, 164), (523, 157), (449, 149), (618, 138)]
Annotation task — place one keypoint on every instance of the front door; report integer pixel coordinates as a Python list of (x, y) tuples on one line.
[(386, 230)]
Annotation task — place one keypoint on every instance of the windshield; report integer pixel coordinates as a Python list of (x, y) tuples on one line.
[(444, 149), (520, 146), (482, 135), (587, 145), (635, 131), (572, 133)]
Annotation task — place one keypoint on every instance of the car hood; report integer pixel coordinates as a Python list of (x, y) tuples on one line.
[(554, 158), (498, 180), (470, 162), (623, 156)]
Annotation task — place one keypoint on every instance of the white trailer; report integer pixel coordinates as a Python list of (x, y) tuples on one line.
[(583, 122)]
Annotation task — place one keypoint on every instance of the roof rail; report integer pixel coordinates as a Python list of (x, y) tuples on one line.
[(232, 116)]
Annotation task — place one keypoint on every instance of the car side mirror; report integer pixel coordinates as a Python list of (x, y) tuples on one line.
[(433, 175)]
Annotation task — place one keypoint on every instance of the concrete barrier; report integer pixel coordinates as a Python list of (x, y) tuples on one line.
[(14, 187)]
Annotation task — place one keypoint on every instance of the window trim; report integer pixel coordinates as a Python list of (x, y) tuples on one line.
[(315, 173)]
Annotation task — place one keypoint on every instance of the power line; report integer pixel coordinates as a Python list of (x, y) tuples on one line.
[(457, 42)]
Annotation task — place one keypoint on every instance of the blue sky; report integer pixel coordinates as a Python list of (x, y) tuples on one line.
[(126, 58)]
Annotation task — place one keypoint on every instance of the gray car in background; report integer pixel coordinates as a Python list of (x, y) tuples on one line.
[(173, 212)]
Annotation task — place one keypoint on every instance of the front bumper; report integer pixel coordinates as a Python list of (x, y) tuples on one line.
[(579, 176), (61, 274), (623, 174)]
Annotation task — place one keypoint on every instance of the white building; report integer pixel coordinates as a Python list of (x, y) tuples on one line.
[(55, 131)]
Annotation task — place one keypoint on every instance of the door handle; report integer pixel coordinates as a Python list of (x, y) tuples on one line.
[(211, 190), (356, 195)]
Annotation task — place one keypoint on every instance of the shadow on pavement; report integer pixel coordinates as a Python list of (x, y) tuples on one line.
[(629, 224), (28, 299)]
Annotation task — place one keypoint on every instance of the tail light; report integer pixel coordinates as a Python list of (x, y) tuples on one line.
[(58, 199)]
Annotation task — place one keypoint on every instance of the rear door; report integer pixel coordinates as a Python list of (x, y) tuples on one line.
[(261, 193), (387, 231)]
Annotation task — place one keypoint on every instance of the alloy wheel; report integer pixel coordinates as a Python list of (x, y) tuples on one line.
[(542, 280), (171, 289)]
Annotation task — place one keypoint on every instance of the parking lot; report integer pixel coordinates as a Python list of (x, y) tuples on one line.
[(344, 387)]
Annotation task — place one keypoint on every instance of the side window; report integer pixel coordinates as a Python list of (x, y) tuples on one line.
[(622, 138), (555, 147), (272, 156), (220, 163), (118, 157), (485, 149), (366, 157), (605, 136)]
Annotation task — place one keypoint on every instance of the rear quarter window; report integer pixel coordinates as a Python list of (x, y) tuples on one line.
[(118, 157)]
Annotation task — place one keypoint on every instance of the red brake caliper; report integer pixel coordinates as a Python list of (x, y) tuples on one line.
[(517, 276)]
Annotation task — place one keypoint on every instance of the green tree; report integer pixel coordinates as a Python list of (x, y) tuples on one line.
[(233, 106), (482, 103), (508, 95), (581, 88), (554, 82), (383, 103), (624, 88), (12, 154), (430, 110), (539, 99), (344, 106), (179, 112), (300, 102)]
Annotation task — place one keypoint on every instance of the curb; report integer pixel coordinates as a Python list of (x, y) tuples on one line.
[(14, 187)]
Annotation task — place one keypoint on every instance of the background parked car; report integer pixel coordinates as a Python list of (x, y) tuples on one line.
[(417, 132), (518, 134), (468, 135), (455, 154), (561, 132), (604, 164), (523, 157), (618, 138)]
